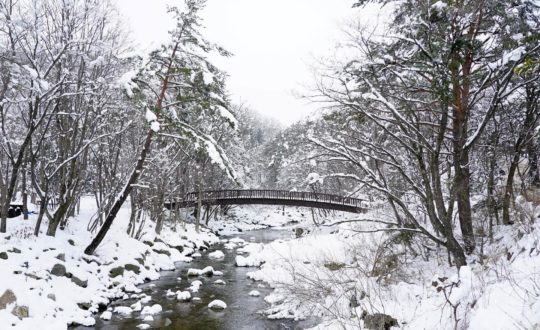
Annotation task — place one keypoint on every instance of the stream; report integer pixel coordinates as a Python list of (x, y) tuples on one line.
[(242, 312)]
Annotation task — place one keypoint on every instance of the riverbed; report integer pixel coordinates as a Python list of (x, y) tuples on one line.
[(243, 311)]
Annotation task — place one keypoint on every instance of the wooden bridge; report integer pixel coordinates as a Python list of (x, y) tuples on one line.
[(272, 197)]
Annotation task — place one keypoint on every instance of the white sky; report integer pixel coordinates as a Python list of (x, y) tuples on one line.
[(273, 42)]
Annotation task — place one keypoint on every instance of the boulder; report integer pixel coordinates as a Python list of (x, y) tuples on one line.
[(217, 304), (334, 266), (51, 296), (84, 306), (378, 321), (179, 248), (61, 256), (116, 271), (58, 270), (79, 282), (14, 250), (71, 242), (165, 252), (20, 311), (3, 255), (8, 297), (133, 268)]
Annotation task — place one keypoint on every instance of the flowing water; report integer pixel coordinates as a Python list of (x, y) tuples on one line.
[(242, 311)]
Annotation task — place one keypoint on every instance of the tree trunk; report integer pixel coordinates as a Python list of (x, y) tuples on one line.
[(58, 216), (460, 90), (509, 189), (139, 166), (133, 178), (42, 208), (24, 193)]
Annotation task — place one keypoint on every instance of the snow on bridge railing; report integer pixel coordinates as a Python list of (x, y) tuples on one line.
[(273, 194)]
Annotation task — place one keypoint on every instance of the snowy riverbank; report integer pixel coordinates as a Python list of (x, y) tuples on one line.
[(54, 283), (342, 276)]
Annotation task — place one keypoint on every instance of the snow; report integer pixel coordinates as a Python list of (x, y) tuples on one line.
[(254, 293), (228, 116), (217, 304), (313, 178), (216, 255), (123, 310), (152, 310), (511, 56), (439, 5), (126, 82), (106, 315), (208, 271), (208, 77), (501, 293), (137, 307), (39, 255), (154, 126), (150, 116), (195, 286), (183, 295)]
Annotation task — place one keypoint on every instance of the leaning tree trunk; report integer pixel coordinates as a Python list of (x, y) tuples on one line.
[(133, 178), (139, 166)]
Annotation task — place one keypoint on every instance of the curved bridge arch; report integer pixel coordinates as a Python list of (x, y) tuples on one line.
[(270, 197)]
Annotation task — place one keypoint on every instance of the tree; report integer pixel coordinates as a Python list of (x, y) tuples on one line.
[(442, 69), (185, 87)]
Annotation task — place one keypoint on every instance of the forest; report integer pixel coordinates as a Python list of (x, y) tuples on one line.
[(431, 117)]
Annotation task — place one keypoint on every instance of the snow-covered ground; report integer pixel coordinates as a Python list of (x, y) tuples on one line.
[(59, 285), (339, 276), (333, 273)]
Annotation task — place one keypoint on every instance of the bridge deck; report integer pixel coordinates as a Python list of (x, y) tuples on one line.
[(273, 197)]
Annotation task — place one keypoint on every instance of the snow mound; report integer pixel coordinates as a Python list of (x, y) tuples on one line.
[(183, 295), (216, 255), (208, 271), (123, 310), (254, 293), (195, 286), (106, 316), (217, 304), (152, 310)]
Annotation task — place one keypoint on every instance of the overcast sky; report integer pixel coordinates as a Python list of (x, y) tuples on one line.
[(273, 43)]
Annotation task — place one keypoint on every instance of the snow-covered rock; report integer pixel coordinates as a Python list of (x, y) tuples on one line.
[(183, 295), (107, 315), (195, 286), (123, 310), (216, 255), (217, 304), (152, 310), (254, 293)]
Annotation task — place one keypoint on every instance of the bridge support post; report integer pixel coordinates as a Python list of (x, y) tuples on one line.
[(198, 211)]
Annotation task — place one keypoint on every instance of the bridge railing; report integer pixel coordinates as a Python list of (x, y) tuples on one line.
[(272, 194)]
